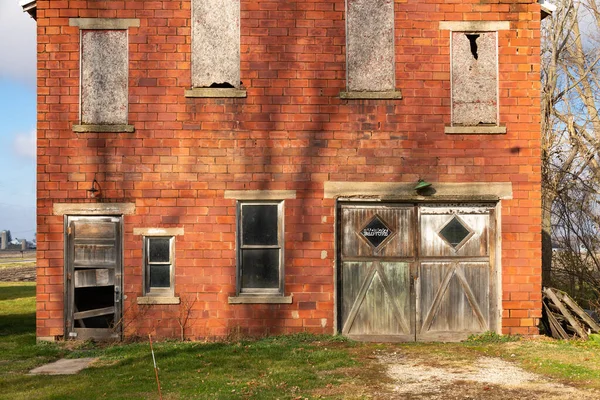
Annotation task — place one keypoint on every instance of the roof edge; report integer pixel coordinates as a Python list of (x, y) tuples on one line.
[(30, 7)]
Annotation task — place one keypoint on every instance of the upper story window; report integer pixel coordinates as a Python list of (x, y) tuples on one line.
[(216, 49), (104, 74), (370, 50), (474, 76)]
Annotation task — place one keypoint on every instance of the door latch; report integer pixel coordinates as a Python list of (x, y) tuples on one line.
[(117, 294)]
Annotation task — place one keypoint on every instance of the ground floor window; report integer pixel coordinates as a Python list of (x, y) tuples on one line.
[(260, 248), (159, 260)]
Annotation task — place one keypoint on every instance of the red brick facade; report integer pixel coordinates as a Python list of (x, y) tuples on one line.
[(291, 132)]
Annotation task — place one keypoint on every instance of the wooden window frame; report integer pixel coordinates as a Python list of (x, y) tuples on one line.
[(159, 291), (278, 291)]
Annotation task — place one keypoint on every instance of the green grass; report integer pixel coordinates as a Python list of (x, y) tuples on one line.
[(284, 367)]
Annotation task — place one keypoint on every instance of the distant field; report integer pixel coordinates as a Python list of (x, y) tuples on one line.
[(14, 258)]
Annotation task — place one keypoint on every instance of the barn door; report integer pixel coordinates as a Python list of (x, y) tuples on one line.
[(454, 278), (377, 263), (93, 277)]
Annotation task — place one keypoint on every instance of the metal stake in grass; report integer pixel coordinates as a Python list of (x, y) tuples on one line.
[(155, 367)]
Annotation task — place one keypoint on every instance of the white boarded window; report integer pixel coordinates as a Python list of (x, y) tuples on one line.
[(216, 43), (474, 78), (370, 45), (104, 76)]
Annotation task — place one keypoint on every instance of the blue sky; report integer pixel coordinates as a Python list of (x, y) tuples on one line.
[(17, 120)]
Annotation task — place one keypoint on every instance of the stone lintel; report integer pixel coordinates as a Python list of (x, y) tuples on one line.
[(392, 94), (104, 23), (260, 194), (475, 26), (260, 300), (475, 130), (405, 191), (156, 300), (215, 92), (94, 208), (158, 231), (87, 128)]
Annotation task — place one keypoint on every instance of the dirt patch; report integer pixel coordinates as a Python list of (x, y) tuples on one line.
[(481, 378), (17, 274)]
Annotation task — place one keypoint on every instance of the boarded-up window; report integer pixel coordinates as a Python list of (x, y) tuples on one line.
[(104, 75), (370, 45), (474, 78), (216, 43), (260, 249)]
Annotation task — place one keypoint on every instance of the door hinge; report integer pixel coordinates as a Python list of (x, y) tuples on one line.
[(69, 276), (69, 231)]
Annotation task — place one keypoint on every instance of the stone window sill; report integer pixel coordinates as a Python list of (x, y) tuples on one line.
[(475, 130), (152, 300), (260, 299), (105, 128), (392, 94), (215, 92)]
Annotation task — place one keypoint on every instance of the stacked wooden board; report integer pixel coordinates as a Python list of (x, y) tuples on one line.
[(564, 318)]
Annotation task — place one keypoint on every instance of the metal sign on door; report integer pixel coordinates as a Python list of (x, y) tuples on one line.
[(416, 272)]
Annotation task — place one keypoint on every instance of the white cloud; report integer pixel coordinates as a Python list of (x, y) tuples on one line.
[(24, 144), (17, 43)]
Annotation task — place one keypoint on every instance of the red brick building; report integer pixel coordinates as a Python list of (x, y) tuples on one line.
[(255, 167)]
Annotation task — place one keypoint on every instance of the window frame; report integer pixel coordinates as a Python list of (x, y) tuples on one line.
[(158, 291), (240, 247)]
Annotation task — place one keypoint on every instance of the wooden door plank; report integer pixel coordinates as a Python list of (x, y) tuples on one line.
[(94, 313), (426, 325), (388, 289), (359, 299), (555, 327), (471, 299)]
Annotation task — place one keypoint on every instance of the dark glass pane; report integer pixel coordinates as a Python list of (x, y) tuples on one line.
[(260, 268), (454, 232), (376, 232), (259, 224), (159, 250), (160, 276)]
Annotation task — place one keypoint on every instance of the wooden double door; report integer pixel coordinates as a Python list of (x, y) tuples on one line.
[(410, 272), (93, 277)]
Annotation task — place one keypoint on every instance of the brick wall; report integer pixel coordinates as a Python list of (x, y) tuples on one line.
[(291, 132)]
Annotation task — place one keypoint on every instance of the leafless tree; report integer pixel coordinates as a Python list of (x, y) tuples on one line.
[(571, 146)]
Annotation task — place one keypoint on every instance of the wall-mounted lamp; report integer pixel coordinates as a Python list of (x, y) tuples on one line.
[(422, 184), (94, 190)]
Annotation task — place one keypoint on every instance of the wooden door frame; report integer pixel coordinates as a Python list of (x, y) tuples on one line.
[(495, 254), (69, 288)]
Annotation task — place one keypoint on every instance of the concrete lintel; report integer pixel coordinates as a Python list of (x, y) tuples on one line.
[(94, 208), (158, 231), (85, 128), (104, 23), (156, 300), (463, 191), (475, 130), (215, 92), (260, 194), (260, 300), (392, 94), (475, 26)]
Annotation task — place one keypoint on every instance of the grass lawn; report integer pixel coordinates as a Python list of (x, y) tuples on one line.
[(286, 367)]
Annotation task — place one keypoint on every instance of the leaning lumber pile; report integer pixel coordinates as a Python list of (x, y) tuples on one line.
[(564, 318)]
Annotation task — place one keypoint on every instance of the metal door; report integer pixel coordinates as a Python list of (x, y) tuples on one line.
[(416, 272), (377, 262), (93, 274)]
